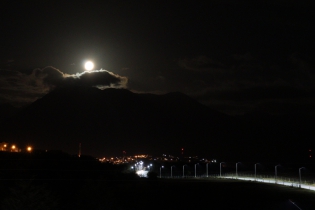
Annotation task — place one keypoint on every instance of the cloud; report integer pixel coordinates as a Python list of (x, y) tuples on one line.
[(238, 72), (242, 82), (20, 89), (100, 79), (200, 63)]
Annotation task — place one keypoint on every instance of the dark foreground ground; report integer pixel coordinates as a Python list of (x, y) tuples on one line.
[(198, 194), (60, 181), (161, 194)]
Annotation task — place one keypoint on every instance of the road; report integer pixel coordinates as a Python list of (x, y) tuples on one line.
[(272, 181)]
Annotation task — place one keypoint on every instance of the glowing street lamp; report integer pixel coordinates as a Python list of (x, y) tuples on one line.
[(161, 171), (236, 169), (13, 148), (172, 171), (29, 149), (300, 176), (150, 166), (276, 173), (221, 168)]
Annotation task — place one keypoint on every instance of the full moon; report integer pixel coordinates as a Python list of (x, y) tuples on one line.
[(89, 65)]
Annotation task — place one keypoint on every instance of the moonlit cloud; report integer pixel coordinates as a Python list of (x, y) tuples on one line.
[(99, 78), (19, 89)]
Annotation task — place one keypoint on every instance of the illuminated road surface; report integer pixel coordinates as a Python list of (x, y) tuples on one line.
[(280, 182)]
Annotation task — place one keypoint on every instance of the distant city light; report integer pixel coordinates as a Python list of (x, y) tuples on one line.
[(29, 149), (142, 173)]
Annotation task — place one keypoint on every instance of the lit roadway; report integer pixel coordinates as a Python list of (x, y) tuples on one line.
[(309, 187), (267, 180)]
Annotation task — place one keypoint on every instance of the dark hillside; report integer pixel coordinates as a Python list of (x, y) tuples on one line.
[(109, 121)]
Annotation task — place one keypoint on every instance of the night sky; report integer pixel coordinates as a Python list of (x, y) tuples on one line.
[(237, 57)]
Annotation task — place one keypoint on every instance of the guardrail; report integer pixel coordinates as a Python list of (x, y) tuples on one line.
[(295, 183)]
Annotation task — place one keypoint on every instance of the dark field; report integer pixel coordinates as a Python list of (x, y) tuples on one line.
[(60, 181), (195, 194), (173, 194)]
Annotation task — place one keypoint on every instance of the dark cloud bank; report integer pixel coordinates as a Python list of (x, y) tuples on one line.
[(20, 89), (238, 83)]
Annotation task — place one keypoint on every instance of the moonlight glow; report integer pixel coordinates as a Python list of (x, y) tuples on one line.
[(89, 65)]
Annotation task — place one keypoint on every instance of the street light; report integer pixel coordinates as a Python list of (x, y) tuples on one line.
[(300, 175), (184, 170), (255, 171), (220, 168), (276, 173), (172, 171), (196, 169), (236, 169), (161, 171)]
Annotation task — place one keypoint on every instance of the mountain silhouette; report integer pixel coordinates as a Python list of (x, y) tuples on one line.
[(7, 111), (107, 122)]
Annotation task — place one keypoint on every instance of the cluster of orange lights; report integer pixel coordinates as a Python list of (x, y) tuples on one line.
[(119, 160), (13, 148), (141, 156)]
